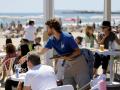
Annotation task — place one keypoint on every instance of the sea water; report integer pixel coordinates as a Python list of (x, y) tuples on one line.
[(86, 18)]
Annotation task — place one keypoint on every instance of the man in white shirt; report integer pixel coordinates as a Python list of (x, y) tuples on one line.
[(39, 77), (30, 31)]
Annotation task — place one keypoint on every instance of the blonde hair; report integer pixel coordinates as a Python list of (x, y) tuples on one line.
[(88, 27)]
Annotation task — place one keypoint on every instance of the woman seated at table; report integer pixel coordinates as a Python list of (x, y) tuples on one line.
[(89, 36), (10, 53), (23, 50), (104, 39)]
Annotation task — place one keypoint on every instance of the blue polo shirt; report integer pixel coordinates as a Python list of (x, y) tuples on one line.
[(65, 45)]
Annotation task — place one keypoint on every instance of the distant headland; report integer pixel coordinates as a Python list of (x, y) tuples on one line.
[(82, 11)]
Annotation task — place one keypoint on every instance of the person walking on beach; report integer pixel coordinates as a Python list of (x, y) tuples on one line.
[(76, 71), (30, 31)]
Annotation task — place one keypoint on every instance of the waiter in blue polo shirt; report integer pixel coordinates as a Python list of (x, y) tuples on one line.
[(76, 71)]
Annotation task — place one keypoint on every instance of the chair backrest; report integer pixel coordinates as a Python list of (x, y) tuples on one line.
[(9, 69), (64, 87)]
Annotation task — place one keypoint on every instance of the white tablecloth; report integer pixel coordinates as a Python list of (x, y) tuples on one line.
[(106, 52), (112, 53), (21, 77)]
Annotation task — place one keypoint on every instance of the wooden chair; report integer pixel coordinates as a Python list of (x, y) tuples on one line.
[(9, 70)]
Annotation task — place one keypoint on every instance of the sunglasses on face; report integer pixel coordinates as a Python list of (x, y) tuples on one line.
[(104, 27)]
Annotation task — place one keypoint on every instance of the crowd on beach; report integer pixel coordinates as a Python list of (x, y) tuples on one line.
[(75, 63), (14, 30)]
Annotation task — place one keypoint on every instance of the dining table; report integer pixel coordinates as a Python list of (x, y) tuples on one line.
[(112, 53), (21, 77)]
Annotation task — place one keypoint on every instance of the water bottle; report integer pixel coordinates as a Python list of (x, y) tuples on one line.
[(17, 71)]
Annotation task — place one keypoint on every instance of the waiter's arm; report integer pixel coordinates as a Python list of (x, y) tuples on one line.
[(43, 50), (73, 55), (40, 51), (75, 51)]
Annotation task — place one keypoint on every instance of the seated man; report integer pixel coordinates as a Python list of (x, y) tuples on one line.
[(39, 77)]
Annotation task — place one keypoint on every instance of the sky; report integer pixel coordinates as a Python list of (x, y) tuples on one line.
[(36, 6)]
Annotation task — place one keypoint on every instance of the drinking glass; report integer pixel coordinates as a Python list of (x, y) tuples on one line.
[(102, 47)]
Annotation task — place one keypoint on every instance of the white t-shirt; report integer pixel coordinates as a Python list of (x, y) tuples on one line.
[(41, 77), (30, 33)]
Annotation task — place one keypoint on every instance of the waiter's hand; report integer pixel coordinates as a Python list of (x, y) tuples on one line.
[(32, 52)]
